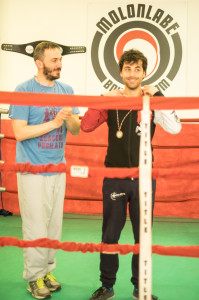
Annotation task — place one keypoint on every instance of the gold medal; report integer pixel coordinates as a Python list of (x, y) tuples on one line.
[(119, 134)]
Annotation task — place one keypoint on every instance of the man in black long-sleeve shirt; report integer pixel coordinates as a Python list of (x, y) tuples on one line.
[(123, 151)]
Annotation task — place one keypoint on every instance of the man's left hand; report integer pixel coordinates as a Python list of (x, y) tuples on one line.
[(149, 90)]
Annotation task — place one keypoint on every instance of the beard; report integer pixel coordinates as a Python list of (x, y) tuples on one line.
[(132, 86), (48, 73)]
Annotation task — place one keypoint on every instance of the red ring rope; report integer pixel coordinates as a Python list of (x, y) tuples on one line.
[(158, 103), (186, 251), (37, 99), (100, 172)]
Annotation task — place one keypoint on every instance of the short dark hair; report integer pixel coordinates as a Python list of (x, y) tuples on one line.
[(133, 55), (41, 47)]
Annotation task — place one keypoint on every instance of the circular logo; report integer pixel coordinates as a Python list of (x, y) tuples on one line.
[(29, 49), (61, 49), (162, 49)]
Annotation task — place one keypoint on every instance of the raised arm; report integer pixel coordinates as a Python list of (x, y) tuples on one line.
[(168, 120), (93, 118), (23, 131)]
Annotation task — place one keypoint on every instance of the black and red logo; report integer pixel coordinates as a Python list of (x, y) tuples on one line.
[(151, 30)]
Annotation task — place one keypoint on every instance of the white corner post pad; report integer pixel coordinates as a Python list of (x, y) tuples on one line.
[(145, 192)]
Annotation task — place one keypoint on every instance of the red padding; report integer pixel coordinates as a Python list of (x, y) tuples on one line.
[(174, 197)]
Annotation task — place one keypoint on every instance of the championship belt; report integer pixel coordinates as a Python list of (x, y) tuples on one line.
[(28, 49)]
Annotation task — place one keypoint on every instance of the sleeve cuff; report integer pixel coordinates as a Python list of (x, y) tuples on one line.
[(158, 93)]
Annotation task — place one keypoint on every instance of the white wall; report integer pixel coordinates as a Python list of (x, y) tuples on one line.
[(61, 21), (65, 22)]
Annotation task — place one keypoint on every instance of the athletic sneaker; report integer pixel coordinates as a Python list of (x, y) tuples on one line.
[(51, 283), (38, 289), (103, 294), (136, 295)]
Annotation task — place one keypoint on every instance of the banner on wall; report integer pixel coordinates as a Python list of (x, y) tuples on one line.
[(156, 29)]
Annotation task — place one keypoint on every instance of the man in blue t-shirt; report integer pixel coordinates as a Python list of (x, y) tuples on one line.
[(41, 137)]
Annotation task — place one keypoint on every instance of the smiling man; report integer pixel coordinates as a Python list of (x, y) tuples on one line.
[(41, 137), (123, 152), (49, 65)]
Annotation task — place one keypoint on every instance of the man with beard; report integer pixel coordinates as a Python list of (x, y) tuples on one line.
[(123, 152), (41, 137)]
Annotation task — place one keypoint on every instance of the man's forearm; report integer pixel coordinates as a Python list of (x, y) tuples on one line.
[(93, 118), (168, 120), (23, 131), (73, 124)]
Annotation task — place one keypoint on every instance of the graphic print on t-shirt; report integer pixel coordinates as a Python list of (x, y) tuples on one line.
[(53, 139)]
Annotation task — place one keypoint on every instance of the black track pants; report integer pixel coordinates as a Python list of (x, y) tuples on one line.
[(117, 193)]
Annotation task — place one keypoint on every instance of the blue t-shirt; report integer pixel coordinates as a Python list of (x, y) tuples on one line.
[(48, 148)]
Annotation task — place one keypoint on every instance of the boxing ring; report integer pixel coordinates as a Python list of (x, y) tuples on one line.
[(85, 171)]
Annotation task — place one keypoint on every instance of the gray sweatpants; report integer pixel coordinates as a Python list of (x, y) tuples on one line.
[(41, 201)]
